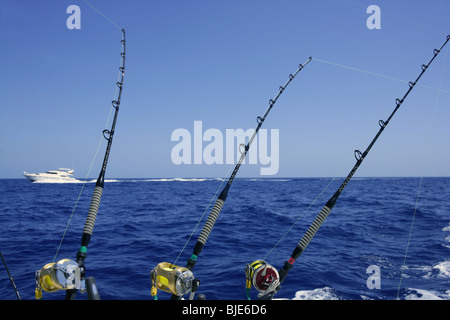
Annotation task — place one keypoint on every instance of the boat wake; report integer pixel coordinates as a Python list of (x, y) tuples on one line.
[(53, 181)]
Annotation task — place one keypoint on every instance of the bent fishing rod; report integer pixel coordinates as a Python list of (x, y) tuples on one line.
[(11, 279), (67, 274), (262, 275), (180, 280)]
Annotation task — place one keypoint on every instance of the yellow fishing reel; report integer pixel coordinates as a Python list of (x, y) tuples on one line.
[(262, 276), (62, 275), (173, 279)]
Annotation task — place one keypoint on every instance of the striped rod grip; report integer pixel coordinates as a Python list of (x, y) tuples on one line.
[(93, 209), (209, 224), (323, 214)]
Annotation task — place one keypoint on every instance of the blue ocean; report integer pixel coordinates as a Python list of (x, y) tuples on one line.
[(401, 226)]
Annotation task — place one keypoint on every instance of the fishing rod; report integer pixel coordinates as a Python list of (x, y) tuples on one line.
[(67, 274), (180, 280), (10, 277), (262, 275)]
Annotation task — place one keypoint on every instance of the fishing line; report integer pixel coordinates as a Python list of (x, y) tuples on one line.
[(409, 238), (87, 175), (271, 283), (421, 178), (303, 214), (67, 274), (180, 280), (201, 218), (371, 73), (104, 16), (378, 74), (383, 76), (215, 211), (218, 189)]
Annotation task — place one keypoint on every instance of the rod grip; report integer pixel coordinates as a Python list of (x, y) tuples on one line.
[(209, 224), (323, 214), (93, 209)]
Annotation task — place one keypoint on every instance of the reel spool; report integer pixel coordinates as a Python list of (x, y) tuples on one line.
[(173, 279), (262, 276), (63, 275)]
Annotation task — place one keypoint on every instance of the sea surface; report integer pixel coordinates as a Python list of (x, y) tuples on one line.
[(399, 226)]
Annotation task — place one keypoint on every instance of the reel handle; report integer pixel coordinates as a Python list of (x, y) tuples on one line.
[(91, 288)]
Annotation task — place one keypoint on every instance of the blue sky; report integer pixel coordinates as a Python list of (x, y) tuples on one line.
[(220, 62)]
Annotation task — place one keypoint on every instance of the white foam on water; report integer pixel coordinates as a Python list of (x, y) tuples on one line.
[(448, 244), (271, 180), (182, 179), (157, 180), (55, 181), (326, 293), (420, 294), (444, 269)]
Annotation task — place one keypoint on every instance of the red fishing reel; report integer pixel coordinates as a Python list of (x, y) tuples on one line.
[(262, 276)]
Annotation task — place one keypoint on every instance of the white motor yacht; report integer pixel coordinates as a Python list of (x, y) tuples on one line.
[(60, 175)]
